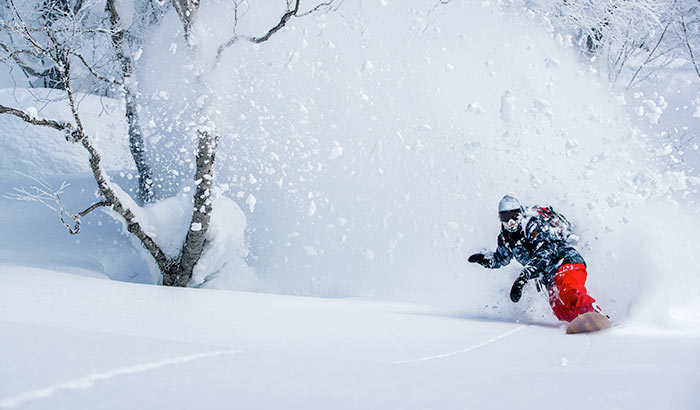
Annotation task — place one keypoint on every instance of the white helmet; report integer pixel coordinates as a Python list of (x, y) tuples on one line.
[(510, 212), (509, 203)]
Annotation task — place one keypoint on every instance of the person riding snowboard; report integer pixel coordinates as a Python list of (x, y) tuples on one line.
[(537, 238)]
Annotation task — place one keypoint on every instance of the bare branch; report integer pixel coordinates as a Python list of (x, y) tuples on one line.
[(25, 30), (651, 53), (95, 73), (327, 5), (291, 12), (57, 125), (92, 208), (14, 55), (77, 29), (431, 11), (76, 218), (687, 43)]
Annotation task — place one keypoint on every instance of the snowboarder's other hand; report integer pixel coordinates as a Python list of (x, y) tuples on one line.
[(481, 259), (517, 290)]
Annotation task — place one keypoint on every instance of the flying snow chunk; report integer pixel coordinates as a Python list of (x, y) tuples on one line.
[(312, 208), (654, 110), (251, 201), (551, 62), (676, 180), (367, 66), (474, 107), (196, 227), (507, 106), (543, 106), (32, 111), (336, 151), (126, 13), (696, 114), (384, 3)]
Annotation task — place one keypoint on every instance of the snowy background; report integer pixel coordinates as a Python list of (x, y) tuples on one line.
[(363, 154)]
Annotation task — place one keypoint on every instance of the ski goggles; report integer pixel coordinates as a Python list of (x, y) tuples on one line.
[(508, 215)]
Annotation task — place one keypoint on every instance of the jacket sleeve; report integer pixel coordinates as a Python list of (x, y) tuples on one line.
[(502, 256)]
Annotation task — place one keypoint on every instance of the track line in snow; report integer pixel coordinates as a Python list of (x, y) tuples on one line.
[(585, 351), (465, 350), (396, 340), (90, 380)]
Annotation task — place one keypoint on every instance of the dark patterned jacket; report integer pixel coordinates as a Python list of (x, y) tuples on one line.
[(536, 247)]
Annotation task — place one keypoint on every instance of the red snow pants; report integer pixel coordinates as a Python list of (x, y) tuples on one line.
[(567, 296)]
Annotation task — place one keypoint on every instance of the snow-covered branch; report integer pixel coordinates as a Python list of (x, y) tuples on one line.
[(57, 125), (45, 194)]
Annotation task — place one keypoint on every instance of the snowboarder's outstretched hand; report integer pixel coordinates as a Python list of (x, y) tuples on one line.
[(481, 259), (517, 290)]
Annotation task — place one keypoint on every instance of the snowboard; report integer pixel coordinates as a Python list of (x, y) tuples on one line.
[(588, 322)]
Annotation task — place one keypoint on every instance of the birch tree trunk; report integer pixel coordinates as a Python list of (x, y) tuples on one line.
[(201, 216), (136, 144)]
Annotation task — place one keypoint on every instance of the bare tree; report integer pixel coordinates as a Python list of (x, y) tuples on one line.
[(50, 43), (631, 40)]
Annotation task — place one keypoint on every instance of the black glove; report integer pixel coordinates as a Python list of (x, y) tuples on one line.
[(481, 259), (517, 290)]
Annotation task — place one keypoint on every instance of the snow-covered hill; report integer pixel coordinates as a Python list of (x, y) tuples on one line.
[(364, 153), (72, 342)]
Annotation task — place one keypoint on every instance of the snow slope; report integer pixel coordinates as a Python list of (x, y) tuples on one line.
[(39, 151), (72, 342), (365, 160)]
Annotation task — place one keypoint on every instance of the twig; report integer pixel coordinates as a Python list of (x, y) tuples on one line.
[(690, 49), (95, 73), (45, 194), (651, 53), (431, 11), (76, 218)]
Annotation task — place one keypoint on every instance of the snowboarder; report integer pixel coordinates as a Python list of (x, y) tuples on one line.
[(538, 238)]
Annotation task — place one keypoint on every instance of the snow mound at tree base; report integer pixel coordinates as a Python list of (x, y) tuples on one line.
[(222, 264)]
